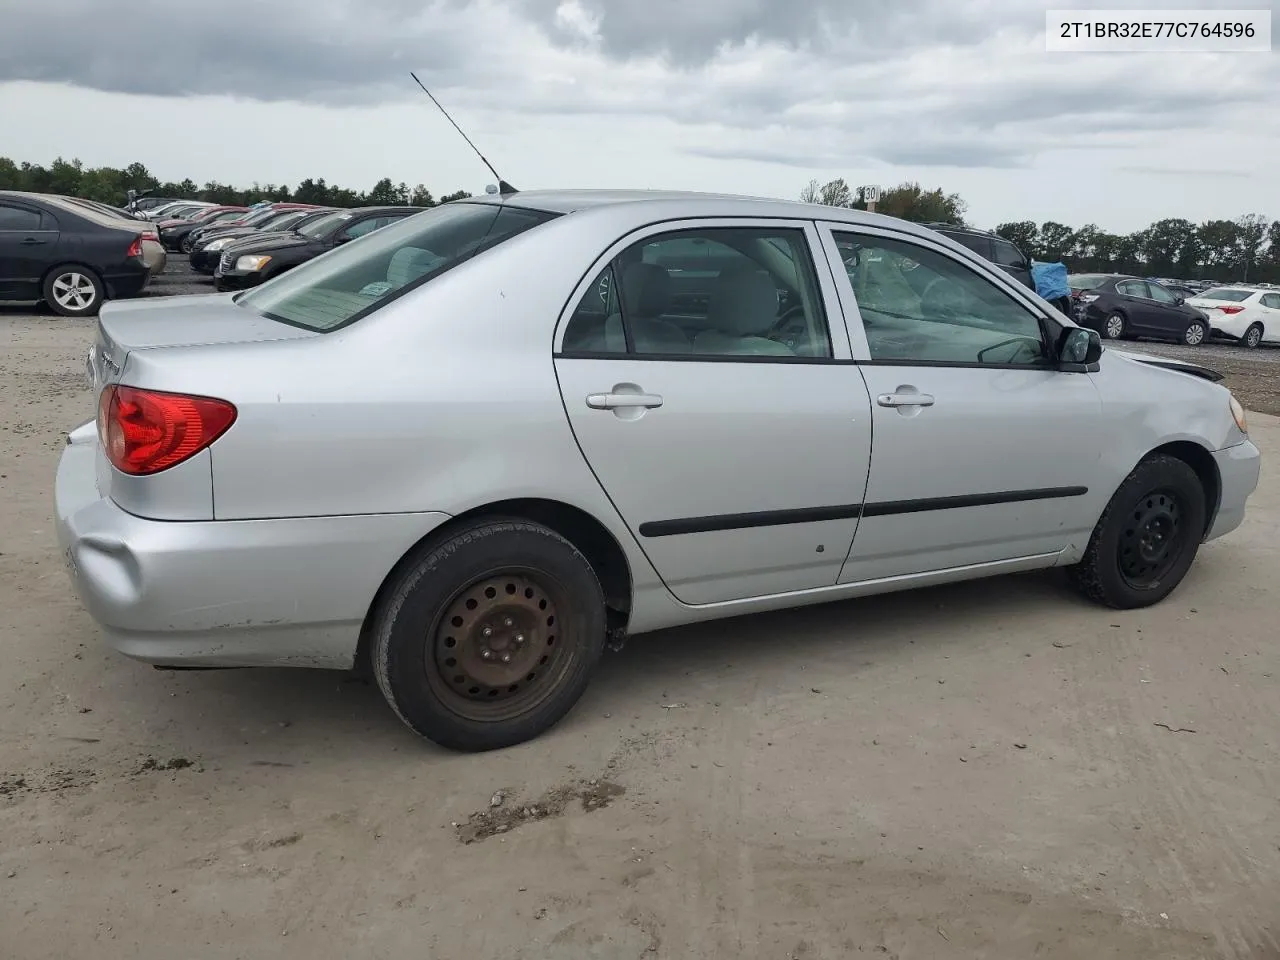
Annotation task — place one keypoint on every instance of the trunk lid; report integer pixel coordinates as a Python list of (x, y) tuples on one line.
[(147, 324)]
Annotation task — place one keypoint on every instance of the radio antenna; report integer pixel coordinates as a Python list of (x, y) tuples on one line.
[(504, 188)]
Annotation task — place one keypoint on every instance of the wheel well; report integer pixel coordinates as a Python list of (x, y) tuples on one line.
[(584, 531), (1201, 461), (82, 267)]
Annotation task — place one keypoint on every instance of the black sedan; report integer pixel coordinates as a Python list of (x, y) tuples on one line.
[(251, 260), (208, 248), (1125, 308), (69, 256)]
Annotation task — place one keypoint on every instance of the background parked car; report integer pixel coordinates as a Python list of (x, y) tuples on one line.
[(1250, 316), (153, 252), (177, 210), (251, 260), (1125, 308), (256, 217), (173, 232), (991, 246), (207, 251), (71, 257)]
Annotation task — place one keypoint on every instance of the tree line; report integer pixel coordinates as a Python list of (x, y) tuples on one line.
[(111, 185), (1246, 248)]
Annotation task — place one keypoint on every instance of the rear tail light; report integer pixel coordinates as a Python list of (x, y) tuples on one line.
[(1234, 308), (135, 248), (146, 431)]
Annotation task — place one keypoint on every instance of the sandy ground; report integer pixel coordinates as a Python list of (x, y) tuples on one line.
[(995, 770)]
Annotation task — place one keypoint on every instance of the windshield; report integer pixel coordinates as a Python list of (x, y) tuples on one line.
[(1085, 281), (321, 227), (353, 280), (1225, 293)]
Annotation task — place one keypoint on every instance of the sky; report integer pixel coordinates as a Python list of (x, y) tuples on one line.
[(745, 96)]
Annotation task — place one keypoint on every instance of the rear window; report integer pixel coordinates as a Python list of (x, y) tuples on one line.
[(1226, 293), (355, 279), (1086, 281)]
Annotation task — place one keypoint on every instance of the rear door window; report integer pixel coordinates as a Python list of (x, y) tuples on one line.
[(354, 280), (978, 244), (1007, 255), (18, 218)]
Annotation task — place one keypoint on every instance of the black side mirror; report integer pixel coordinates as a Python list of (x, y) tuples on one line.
[(341, 239), (1079, 349), (1180, 300)]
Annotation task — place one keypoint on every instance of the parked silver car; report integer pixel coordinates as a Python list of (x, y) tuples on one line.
[(477, 446)]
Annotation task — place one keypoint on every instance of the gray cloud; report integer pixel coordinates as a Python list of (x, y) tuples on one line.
[(814, 84)]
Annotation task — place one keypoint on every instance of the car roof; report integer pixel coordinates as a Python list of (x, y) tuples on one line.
[(699, 204)]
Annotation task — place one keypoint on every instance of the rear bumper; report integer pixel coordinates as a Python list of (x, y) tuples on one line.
[(289, 592), (1238, 467)]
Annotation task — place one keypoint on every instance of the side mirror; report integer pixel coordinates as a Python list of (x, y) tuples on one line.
[(1180, 300), (1078, 348), (341, 239)]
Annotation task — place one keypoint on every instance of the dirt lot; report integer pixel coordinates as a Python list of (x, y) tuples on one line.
[(995, 770)]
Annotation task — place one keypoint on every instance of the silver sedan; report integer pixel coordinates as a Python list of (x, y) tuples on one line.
[(475, 448)]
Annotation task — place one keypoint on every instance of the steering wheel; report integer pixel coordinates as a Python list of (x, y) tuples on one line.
[(786, 324)]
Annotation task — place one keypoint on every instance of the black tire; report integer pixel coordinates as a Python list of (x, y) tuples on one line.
[(185, 245), (1110, 329), (1252, 337), (58, 284), (1146, 539), (1195, 334), (430, 656)]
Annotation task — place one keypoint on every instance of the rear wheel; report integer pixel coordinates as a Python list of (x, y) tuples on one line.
[(73, 291), (1253, 336), (1147, 538), (488, 638), (1195, 333), (1114, 326)]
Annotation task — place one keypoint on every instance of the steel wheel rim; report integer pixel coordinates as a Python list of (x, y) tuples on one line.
[(1115, 327), (74, 291), (1194, 335), (513, 667), (1153, 539)]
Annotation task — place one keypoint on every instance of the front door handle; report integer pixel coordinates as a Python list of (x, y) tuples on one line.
[(31, 242), (905, 400), (617, 401)]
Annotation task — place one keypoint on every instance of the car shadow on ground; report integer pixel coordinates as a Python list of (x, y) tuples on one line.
[(242, 711)]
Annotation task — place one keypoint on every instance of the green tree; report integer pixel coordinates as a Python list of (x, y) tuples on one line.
[(910, 201), (1170, 247), (456, 195), (1056, 240), (421, 197), (1252, 229)]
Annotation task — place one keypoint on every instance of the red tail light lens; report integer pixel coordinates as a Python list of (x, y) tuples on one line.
[(1234, 308), (135, 248), (146, 431)]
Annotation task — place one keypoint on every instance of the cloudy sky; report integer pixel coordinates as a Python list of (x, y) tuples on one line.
[(748, 96)]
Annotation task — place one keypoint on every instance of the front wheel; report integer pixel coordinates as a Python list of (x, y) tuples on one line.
[(1195, 333), (1147, 538), (73, 291), (489, 637), (1253, 336)]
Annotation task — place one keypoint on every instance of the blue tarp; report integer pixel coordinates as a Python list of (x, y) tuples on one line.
[(1050, 280)]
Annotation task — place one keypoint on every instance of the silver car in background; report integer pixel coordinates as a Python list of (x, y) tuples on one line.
[(476, 447)]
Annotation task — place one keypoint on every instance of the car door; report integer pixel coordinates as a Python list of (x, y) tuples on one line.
[(1270, 309), (1169, 318), (1136, 302), (28, 238), (983, 450), (736, 447)]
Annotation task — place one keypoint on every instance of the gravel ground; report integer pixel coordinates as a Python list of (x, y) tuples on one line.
[(1252, 375), (993, 770)]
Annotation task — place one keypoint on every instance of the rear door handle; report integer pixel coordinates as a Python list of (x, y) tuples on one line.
[(31, 242), (616, 401), (905, 400)]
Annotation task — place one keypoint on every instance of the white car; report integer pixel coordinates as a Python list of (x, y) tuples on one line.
[(1247, 315)]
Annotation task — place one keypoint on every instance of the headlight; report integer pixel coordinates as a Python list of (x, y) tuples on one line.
[(252, 263), (1237, 413), (218, 244)]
